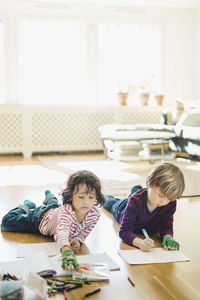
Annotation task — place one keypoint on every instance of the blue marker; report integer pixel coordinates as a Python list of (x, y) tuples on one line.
[(146, 234)]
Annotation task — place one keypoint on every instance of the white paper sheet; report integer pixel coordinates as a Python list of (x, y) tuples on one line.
[(51, 249), (155, 256), (26, 250)]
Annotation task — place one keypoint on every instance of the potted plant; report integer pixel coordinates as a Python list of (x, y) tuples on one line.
[(159, 98), (122, 97), (158, 95), (124, 90), (144, 94)]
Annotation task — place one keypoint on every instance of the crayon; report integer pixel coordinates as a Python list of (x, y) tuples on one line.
[(65, 294), (92, 293), (131, 282)]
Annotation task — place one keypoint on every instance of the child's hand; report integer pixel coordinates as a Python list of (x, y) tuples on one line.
[(143, 245), (69, 260), (146, 245), (169, 243), (75, 244)]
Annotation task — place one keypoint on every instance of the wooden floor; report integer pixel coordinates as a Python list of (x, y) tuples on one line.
[(180, 281)]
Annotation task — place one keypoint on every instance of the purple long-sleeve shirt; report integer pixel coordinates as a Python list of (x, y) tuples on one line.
[(136, 216)]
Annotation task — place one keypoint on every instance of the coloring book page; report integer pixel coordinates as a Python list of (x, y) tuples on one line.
[(155, 256)]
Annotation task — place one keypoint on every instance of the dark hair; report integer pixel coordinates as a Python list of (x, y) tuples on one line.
[(88, 178)]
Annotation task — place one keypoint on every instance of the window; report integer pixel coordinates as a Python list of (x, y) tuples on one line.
[(128, 55), (52, 62)]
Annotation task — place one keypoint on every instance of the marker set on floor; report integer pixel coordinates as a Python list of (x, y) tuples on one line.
[(57, 285)]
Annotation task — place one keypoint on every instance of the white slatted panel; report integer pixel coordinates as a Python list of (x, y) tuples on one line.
[(11, 133), (67, 131)]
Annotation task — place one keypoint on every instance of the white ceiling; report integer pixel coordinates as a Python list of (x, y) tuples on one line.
[(136, 3)]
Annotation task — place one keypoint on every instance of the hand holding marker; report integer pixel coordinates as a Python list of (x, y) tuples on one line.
[(149, 243)]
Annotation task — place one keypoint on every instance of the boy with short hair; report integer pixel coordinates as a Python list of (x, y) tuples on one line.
[(151, 208)]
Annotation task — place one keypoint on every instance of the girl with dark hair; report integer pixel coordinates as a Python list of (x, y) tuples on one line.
[(69, 223)]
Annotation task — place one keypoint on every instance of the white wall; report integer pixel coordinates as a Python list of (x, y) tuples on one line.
[(178, 53)]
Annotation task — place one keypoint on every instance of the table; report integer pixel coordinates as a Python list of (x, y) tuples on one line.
[(112, 139), (154, 149)]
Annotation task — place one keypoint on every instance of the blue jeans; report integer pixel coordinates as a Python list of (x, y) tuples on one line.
[(18, 220), (116, 205)]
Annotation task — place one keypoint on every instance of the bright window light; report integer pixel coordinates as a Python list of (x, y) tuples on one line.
[(2, 67), (129, 54), (52, 63)]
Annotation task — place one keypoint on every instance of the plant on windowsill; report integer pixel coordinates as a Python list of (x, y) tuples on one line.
[(122, 97), (123, 92), (159, 97), (144, 95)]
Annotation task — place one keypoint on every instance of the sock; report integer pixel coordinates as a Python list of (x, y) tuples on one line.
[(29, 204), (49, 198), (47, 192)]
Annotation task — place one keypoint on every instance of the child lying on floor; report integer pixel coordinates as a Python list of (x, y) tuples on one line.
[(69, 223), (150, 208)]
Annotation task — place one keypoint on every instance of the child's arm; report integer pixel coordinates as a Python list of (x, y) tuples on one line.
[(76, 245), (68, 258), (129, 225), (167, 219), (61, 237), (166, 228)]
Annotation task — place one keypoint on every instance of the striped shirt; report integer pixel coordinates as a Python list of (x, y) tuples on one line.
[(62, 223), (136, 216)]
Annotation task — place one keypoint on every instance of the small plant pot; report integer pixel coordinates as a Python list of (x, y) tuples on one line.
[(144, 98), (159, 99), (122, 96)]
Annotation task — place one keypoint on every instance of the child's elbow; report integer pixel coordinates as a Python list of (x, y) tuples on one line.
[(121, 234)]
